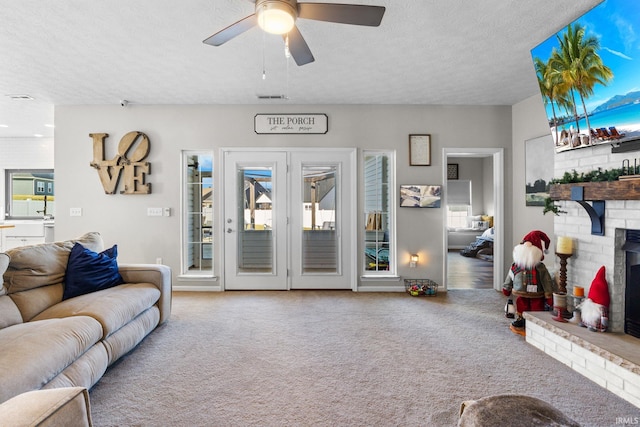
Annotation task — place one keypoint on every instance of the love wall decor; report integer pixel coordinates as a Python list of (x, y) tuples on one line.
[(127, 164)]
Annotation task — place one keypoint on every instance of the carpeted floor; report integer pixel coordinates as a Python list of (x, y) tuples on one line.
[(336, 358)]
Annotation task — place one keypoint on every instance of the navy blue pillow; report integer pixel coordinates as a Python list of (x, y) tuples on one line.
[(89, 271)]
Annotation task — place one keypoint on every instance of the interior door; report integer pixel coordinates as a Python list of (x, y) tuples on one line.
[(255, 220)]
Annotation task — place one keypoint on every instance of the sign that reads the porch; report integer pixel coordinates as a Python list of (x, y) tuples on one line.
[(291, 123)]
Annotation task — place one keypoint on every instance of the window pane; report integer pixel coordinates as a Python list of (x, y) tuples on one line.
[(378, 208), (198, 213), (30, 194), (255, 241), (457, 216), (319, 235)]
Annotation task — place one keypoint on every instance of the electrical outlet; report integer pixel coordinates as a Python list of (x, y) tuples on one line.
[(75, 211), (154, 211)]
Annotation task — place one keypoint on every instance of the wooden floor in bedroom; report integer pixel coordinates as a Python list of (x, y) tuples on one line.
[(468, 273)]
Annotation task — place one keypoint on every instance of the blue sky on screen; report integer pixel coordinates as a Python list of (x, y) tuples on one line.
[(616, 23)]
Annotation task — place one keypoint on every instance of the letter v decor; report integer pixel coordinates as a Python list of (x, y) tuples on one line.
[(132, 168)]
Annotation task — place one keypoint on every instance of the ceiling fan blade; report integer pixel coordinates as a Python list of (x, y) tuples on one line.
[(342, 13), (298, 47), (232, 31)]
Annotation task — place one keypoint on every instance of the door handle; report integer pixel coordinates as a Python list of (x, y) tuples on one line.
[(229, 230)]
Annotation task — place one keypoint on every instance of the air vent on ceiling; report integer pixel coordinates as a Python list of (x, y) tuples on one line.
[(20, 97), (272, 97)]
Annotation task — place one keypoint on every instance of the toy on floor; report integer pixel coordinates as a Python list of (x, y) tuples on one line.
[(528, 278)]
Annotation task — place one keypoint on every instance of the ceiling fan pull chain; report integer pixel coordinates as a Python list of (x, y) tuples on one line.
[(264, 46)]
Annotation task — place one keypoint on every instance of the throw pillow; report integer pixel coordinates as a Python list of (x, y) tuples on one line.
[(89, 271)]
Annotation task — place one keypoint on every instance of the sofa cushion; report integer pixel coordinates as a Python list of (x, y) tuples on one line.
[(41, 350), (126, 338), (34, 301), (89, 271), (44, 264), (85, 371), (67, 407), (113, 307), (9, 313)]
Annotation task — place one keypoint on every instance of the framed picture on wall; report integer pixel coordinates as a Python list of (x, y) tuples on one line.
[(420, 196), (538, 165), (452, 171), (420, 150)]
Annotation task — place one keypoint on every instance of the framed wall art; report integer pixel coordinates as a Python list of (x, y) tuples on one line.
[(420, 196), (452, 171), (538, 170), (420, 150)]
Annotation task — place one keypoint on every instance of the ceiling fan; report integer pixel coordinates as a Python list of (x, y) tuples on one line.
[(279, 17)]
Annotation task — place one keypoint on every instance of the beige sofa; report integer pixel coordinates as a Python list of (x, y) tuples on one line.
[(47, 342)]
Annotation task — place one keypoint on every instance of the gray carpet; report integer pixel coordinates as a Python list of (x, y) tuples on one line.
[(336, 358)]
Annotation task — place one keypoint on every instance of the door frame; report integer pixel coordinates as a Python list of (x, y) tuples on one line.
[(349, 256), (497, 154)]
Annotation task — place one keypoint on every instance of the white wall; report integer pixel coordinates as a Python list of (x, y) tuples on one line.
[(487, 183), (122, 218), (529, 121)]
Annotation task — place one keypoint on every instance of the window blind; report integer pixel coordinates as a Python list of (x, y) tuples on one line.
[(459, 192)]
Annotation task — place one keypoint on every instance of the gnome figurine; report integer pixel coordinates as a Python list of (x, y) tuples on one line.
[(528, 278), (594, 310)]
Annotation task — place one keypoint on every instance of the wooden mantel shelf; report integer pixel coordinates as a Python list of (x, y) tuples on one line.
[(614, 190)]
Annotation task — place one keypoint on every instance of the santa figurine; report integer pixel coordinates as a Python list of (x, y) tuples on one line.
[(528, 278), (594, 311)]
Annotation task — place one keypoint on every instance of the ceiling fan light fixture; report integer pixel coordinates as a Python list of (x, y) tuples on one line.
[(276, 16)]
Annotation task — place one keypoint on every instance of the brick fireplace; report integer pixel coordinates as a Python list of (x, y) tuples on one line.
[(592, 251), (611, 359)]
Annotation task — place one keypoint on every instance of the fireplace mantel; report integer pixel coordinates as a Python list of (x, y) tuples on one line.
[(596, 193), (613, 190)]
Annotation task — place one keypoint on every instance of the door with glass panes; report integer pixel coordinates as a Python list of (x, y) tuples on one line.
[(288, 219)]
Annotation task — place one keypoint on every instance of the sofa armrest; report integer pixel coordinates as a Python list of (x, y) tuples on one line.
[(157, 274), (67, 407)]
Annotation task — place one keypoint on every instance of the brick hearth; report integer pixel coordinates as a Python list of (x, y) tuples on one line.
[(610, 359)]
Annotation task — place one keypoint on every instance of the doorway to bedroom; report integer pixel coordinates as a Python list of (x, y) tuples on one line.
[(473, 208)]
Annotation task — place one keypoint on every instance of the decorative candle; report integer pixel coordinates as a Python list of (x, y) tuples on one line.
[(578, 291), (564, 245)]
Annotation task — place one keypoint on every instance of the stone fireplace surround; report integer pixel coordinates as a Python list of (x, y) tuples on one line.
[(611, 359)]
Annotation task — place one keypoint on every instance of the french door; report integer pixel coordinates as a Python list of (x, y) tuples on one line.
[(288, 219)]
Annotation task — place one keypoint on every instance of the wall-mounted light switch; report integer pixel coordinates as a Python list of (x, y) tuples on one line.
[(154, 211), (75, 211)]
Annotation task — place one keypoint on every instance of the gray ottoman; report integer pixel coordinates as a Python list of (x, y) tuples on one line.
[(511, 410)]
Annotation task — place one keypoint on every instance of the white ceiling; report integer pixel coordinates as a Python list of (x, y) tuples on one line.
[(437, 52)]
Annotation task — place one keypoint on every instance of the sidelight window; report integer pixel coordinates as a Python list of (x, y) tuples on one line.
[(197, 213), (379, 208)]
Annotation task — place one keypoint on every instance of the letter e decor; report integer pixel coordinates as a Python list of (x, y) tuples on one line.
[(131, 168)]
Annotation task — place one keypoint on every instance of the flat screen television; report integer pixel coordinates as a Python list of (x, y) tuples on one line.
[(589, 77)]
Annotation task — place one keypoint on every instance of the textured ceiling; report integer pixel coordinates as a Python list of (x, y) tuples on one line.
[(436, 52)]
